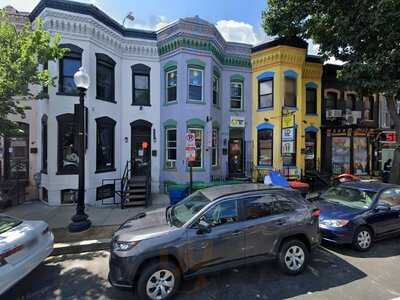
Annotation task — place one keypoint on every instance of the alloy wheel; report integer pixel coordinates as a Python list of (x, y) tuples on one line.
[(160, 284), (364, 239), (294, 258)]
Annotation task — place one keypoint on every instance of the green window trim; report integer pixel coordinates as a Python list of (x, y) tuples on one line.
[(237, 78), (196, 63), (171, 65), (195, 123), (170, 123)]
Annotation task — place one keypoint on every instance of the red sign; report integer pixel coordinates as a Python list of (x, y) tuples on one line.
[(389, 137), (145, 145)]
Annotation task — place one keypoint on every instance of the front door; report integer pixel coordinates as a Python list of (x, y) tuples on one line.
[(17, 154), (235, 157), (140, 147), (311, 152)]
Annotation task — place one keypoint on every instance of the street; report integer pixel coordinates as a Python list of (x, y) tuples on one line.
[(334, 273)]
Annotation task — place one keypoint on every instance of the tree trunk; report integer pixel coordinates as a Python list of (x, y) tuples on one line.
[(395, 171)]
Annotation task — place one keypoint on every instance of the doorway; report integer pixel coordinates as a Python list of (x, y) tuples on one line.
[(310, 152), (16, 156), (140, 148), (236, 153)]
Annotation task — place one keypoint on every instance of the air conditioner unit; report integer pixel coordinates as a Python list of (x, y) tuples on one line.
[(333, 113), (171, 164)]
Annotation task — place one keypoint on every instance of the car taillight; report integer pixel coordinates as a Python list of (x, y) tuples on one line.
[(316, 213), (46, 230), (8, 253)]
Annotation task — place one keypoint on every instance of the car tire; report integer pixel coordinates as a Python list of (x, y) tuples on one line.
[(293, 257), (158, 278), (363, 239)]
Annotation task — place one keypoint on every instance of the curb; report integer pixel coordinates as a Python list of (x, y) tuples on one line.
[(79, 247)]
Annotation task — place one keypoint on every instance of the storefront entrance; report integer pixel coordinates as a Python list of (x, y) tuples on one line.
[(140, 147), (236, 153), (16, 154), (311, 152)]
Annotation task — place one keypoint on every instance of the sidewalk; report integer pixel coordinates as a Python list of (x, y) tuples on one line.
[(105, 220)]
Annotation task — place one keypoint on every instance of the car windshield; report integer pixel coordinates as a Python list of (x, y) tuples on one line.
[(187, 208), (349, 197), (7, 223)]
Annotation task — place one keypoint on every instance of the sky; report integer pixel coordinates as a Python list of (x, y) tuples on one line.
[(237, 20)]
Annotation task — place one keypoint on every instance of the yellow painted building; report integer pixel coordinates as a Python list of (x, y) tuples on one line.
[(286, 85)]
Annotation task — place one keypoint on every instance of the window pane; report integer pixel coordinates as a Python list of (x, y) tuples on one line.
[(199, 147), (331, 100), (237, 104), (223, 213), (311, 101), (265, 144), (195, 77), (142, 97), (266, 101), (290, 92), (171, 94), (236, 90), (391, 197), (171, 79), (105, 147), (258, 207), (266, 87), (171, 154), (69, 156), (195, 92), (70, 66), (141, 82), (105, 86), (68, 85)]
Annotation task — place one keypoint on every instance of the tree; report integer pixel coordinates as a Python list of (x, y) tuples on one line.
[(22, 53), (365, 34)]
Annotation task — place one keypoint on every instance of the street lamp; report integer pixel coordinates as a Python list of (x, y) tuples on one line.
[(80, 221)]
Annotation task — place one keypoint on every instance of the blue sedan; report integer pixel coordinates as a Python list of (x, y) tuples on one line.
[(360, 213)]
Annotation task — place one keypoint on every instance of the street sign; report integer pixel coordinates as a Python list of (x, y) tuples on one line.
[(190, 140), (288, 134), (190, 149), (237, 122), (190, 154)]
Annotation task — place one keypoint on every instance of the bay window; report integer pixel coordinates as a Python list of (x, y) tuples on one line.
[(198, 133), (195, 85), (290, 92), (265, 93), (236, 95), (215, 90), (214, 148), (170, 148), (171, 86), (68, 66)]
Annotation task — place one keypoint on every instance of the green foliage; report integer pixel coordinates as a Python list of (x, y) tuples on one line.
[(21, 55)]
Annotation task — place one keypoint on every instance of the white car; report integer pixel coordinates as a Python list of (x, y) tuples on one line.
[(23, 246)]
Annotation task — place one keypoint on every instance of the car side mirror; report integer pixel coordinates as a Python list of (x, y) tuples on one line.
[(203, 227), (381, 207)]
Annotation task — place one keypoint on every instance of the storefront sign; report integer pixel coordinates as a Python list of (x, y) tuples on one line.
[(288, 134), (237, 122), (388, 137), (288, 147), (288, 121)]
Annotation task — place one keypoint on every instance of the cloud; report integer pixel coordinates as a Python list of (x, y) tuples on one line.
[(237, 31), (152, 23), (20, 5)]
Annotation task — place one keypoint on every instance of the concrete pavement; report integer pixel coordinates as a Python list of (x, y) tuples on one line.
[(334, 273)]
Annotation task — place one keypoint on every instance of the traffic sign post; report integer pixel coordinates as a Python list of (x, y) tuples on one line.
[(190, 154)]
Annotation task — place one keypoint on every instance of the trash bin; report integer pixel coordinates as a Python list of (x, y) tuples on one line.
[(177, 193)]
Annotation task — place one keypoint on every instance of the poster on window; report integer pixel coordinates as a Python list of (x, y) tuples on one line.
[(287, 147), (288, 134), (340, 155), (360, 155)]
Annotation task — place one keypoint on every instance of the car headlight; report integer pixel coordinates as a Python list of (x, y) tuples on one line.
[(123, 246), (334, 223)]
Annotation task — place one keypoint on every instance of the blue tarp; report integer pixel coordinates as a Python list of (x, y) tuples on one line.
[(278, 179)]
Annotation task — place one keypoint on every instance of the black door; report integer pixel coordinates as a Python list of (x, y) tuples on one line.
[(17, 154), (140, 147), (235, 157), (311, 152)]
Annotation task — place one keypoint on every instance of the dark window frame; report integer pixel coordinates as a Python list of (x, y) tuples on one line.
[(75, 53), (64, 120), (232, 98), (108, 124), (168, 87), (70, 191), (141, 70), (167, 147), (272, 147), (216, 92), (259, 93), (335, 100), (44, 144), (189, 85), (285, 100), (106, 62), (311, 106)]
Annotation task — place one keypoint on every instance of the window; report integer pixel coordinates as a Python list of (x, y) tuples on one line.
[(290, 92), (105, 144), (45, 195), (331, 100), (69, 65), (264, 147), (351, 102), (282, 205), (198, 132), (223, 213), (265, 93), (214, 146), (171, 84), (391, 197), (258, 207), (236, 95), (141, 85), (44, 144), (105, 80), (69, 196), (369, 108), (170, 140), (311, 100), (215, 90), (195, 84), (68, 158)]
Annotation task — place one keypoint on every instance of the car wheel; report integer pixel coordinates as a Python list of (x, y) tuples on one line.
[(293, 257), (159, 281), (363, 239)]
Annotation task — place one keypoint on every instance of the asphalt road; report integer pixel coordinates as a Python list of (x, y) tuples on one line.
[(334, 273)]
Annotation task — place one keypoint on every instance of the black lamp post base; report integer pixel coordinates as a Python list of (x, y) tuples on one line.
[(79, 223)]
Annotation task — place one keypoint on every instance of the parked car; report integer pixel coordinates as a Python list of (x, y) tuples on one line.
[(213, 229), (359, 213), (23, 246)]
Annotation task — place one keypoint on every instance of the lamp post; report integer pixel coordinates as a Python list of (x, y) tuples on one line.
[(80, 221)]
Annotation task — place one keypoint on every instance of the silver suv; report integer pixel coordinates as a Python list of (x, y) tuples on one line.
[(213, 229)]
